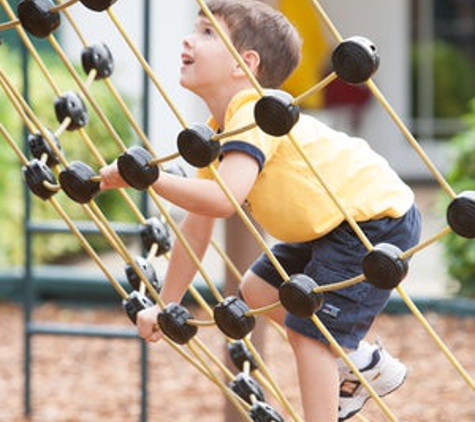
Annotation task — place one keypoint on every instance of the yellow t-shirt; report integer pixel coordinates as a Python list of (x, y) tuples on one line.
[(288, 200)]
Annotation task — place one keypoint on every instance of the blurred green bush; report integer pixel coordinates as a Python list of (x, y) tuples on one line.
[(460, 252), (50, 247)]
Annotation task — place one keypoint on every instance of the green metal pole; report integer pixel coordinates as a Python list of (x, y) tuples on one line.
[(27, 288), (144, 201)]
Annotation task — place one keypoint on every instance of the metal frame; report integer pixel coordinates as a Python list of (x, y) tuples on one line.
[(32, 328)]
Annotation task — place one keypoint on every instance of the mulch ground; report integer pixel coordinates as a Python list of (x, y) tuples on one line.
[(86, 379)]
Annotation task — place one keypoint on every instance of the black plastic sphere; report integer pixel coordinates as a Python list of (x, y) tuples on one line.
[(298, 298), (98, 5), (383, 267), (36, 17), (275, 114), (355, 60), (461, 214), (196, 146), (77, 184)]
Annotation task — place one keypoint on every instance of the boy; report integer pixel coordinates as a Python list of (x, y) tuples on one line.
[(268, 176)]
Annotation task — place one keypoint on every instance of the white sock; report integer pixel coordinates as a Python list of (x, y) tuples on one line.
[(362, 356)]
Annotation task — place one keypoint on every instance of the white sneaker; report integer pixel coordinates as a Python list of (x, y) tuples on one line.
[(384, 373)]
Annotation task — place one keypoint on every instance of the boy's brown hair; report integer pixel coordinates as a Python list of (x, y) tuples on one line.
[(253, 25)]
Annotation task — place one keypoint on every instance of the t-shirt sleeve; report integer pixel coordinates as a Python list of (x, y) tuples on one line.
[(253, 141)]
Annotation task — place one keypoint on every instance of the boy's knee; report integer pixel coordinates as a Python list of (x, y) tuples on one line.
[(245, 289), (294, 338), (255, 291)]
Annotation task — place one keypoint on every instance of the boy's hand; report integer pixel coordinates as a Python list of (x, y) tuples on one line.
[(147, 324), (111, 178)]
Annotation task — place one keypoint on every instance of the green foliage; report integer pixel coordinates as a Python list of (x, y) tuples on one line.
[(460, 252), (48, 247), (454, 84)]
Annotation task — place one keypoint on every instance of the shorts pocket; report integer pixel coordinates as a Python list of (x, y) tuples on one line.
[(340, 311)]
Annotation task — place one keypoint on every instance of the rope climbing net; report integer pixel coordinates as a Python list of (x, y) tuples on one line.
[(49, 172)]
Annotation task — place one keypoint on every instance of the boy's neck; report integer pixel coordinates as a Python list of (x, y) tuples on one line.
[(218, 102)]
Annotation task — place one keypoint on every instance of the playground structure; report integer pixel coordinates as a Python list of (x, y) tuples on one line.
[(50, 172)]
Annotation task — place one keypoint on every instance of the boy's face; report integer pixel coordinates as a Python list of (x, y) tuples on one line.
[(207, 64)]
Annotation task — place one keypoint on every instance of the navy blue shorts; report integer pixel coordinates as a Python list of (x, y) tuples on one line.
[(347, 313)]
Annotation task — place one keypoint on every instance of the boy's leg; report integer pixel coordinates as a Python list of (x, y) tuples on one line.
[(318, 378), (258, 293)]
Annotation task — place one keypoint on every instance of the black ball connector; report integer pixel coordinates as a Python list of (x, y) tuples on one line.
[(98, 5), (383, 267), (71, 105), (263, 412), (148, 271), (355, 60), (230, 317), (134, 167), (173, 322), (78, 182), (275, 113), (196, 146), (36, 173), (99, 58), (461, 214), (155, 232), (240, 354), (37, 18), (39, 147), (135, 303), (298, 298), (246, 386)]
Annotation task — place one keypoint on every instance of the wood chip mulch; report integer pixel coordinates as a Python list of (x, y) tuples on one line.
[(89, 379)]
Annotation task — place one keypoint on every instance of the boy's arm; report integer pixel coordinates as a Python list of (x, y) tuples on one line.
[(181, 270), (197, 230), (200, 196), (205, 200)]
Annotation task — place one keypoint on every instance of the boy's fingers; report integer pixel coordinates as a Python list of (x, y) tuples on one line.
[(156, 335)]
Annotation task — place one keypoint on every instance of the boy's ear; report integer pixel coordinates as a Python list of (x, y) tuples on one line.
[(252, 60)]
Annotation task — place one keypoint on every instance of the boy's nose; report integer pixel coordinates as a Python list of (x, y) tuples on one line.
[(187, 40)]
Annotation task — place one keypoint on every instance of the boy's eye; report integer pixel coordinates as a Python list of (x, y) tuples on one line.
[(208, 31)]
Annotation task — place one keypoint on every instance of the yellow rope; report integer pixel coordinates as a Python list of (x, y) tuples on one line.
[(263, 367), (318, 87), (27, 115), (445, 350), (382, 100), (31, 49), (435, 172), (93, 255), (13, 145), (9, 25), (110, 86), (339, 350), (204, 7), (239, 403), (145, 66), (62, 6), (424, 244), (84, 89), (110, 234), (101, 221), (185, 244), (247, 222), (72, 227), (337, 201)]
